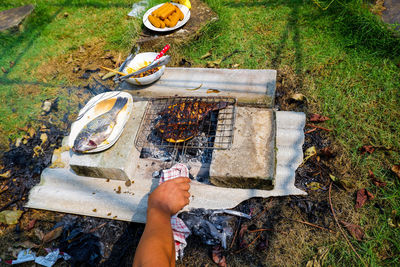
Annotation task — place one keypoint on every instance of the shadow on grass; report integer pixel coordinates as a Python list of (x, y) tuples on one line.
[(356, 25), (36, 24), (34, 31), (7, 81), (291, 25)]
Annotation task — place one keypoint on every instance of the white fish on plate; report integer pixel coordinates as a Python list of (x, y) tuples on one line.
[(99, 129)]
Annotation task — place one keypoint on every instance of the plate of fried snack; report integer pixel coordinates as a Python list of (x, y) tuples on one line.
[(166, 17)]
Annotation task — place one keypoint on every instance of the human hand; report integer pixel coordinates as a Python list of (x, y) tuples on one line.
[(170, 196)]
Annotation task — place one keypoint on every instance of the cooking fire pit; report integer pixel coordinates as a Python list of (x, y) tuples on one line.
[(178, 129), (234, 143)]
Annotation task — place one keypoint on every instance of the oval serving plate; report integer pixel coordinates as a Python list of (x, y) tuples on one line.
[(96, 106), (147, 23)]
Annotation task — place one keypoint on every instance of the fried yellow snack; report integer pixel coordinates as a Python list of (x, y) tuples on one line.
[(178, 10), (167, 22), (173, 18), (155, 21), (156, 12), (167, 12)]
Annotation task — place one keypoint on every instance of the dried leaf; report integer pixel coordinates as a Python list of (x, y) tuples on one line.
[(6, 174), (43, 137), (206, 55), (362, 196), (213, 91), (217, 256), (394, 220), (31, 132), (119, 59), (18, 142), (109, 75), (214, 64), (346, 184), (27, 244), (3, 69), (366, 149), (375, 181), (37, 150), (354, 230), (38, 233), (10, 216), (235, 65), (53, 234), (396, 170), (317, 118), (30, 225), (315, 186), (298, 97), (46, 106), (311, 151), (318, 259), (333, 178)]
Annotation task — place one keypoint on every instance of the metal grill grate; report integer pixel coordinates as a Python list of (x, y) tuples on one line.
[(215, 129)]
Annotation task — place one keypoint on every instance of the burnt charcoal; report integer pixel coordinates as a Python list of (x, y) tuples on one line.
[(185, 63), (213, 229), (96, 88), (316, 211), (124, 248), (86, 75), (263, 244), (83, 248), (315, 139)]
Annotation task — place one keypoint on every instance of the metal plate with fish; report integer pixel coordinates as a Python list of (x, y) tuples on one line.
[(101, 122)]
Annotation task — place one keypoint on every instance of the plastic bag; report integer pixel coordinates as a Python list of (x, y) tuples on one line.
[(138, 8)]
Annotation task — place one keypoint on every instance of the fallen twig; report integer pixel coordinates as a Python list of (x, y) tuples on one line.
[(252, 242), (313, 225), (340, 228), (234, 237), (96, 228), (310, 131), (318, 127), (260, 230)]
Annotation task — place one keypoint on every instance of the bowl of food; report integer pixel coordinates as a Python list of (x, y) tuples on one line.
[(140, 61)]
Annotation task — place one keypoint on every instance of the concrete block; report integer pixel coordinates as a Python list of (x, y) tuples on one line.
[(117, 162), (250, 162), (251, 87)]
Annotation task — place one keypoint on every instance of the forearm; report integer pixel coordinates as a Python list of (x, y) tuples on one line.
[(156, 246)]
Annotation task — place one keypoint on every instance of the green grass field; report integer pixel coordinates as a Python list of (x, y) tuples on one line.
[(54, 28), (344, 59)]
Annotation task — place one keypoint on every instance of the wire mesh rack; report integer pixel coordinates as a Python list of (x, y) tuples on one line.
[(182, 123)]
